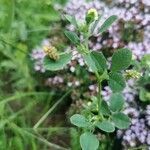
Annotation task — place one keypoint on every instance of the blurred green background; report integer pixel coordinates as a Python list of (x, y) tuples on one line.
[(23, 101)]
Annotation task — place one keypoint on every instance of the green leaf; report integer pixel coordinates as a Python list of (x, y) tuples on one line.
[(145, 61), (59, 64), (79, 121), (10, 14), (96, 61), (144, 95), (105, 109), (121, 120), (94, 25), (116, 82), (116, 102), (72, 37), (89, 61), (107, 23), (106, 126), (72, 20), (121, 59), (100, 61), (88, 141)]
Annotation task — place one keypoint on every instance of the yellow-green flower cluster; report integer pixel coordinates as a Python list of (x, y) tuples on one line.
[(132, 74), (51, 52)]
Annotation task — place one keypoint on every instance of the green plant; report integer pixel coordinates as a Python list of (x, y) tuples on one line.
[(143, 83), (109, 115)]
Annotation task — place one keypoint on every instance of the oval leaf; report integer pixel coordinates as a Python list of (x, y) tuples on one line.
[(72, 20), (90, 63), (106, 126), (100, 61), (88, 141), (52, 65), (116, 82), (121, 59), (105, 109), (72, 37), (94, 25), (107, 23), (116, 102), (144, 95), (96, 61), (79, 121), (121, 120)]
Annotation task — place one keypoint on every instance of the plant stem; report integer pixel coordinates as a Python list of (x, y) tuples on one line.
[(99, 95), (99, 99), (143, 147), (98, 79)]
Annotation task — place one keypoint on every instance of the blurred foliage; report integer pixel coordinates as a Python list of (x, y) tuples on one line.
[(23, 25)]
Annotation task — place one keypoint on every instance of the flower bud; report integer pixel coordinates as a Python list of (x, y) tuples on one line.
[(91, 15)]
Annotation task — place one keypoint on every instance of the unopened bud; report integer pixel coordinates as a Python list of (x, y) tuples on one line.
[(91, 15)]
